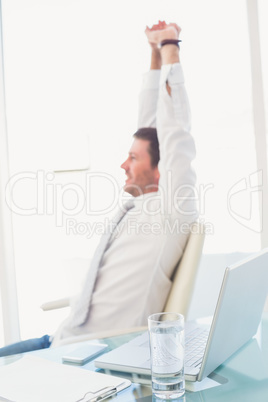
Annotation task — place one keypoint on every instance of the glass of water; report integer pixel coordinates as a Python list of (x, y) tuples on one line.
[(166, 333)]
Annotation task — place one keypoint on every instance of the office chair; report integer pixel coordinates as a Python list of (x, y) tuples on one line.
[(180, 295), (184, 276)]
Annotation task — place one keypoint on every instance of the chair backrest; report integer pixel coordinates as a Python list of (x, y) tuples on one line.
[(180, 295), (184, 277)]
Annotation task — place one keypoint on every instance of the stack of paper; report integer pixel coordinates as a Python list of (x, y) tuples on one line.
[(33, 379)]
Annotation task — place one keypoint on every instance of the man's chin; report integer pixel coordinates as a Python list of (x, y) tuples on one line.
[(133, 190), (128, 189)]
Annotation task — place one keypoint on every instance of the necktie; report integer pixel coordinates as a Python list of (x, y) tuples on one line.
[(81, 309)]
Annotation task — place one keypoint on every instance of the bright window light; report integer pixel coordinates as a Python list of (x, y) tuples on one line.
[(73, 71)]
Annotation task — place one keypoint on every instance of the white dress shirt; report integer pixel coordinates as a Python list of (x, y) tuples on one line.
[(133, 280)]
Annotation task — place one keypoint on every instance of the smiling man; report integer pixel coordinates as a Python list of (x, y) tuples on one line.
[(141, 166), (132, 278), (129, 277)]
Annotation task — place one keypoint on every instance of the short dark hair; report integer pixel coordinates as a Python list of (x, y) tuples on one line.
[(150, 134)]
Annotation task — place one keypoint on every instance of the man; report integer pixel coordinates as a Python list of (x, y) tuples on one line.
[(130, 276)]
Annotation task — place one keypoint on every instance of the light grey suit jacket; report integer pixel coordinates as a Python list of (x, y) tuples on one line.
[(134, 277)]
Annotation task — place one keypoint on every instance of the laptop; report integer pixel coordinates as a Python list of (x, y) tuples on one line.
[(236, 319)]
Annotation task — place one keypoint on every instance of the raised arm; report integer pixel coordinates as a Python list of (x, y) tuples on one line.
[(177, 148), (149, 93), (166, 55), (164, 41)]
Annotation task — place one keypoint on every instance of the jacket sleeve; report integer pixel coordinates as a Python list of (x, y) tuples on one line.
[(148, 99), (177, 147)]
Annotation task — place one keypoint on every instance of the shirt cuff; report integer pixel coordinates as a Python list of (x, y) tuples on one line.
[(172, 73), (151, 79)]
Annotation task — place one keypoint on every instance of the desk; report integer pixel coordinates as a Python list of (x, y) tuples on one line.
[(243, 377)]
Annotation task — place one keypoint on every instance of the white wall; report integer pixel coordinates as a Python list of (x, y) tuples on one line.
[(59, 82), (208, 282)]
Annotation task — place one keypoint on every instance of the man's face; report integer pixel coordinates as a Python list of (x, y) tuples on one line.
[(141, 176)]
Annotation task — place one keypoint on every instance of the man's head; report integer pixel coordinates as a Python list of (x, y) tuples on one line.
[(141, 166)]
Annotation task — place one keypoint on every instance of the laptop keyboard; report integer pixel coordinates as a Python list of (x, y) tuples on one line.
[(195, 344)]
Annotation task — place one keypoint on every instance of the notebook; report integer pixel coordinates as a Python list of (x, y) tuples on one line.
[(236, 319)]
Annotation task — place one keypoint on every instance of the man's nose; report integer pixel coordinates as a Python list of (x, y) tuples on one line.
[(124, 165)]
